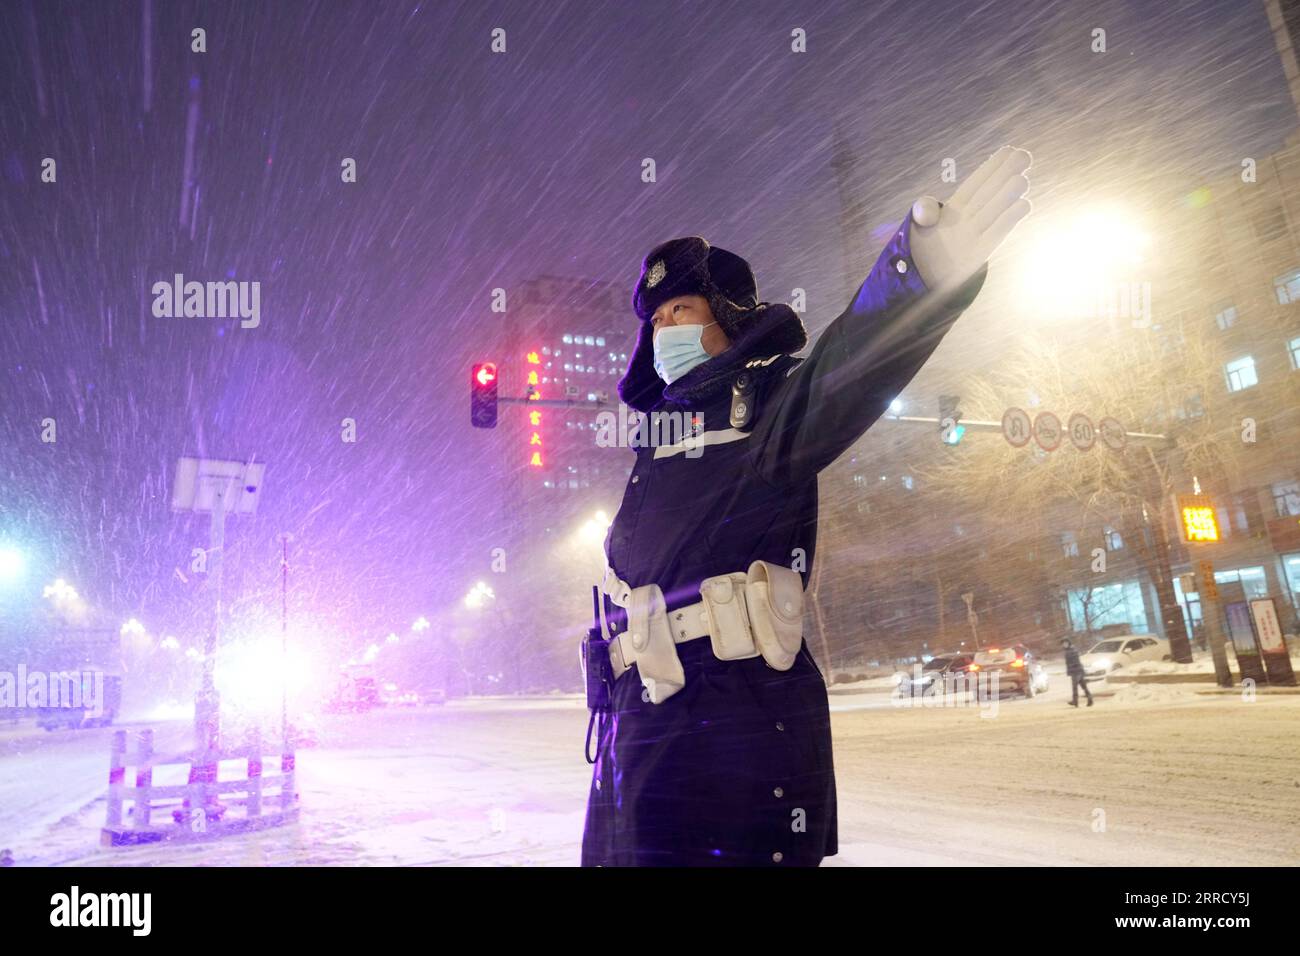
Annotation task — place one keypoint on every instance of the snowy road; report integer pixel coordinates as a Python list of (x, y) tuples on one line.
[(1160, 776)]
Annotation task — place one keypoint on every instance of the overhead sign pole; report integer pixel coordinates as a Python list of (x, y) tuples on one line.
[(218, 487), (1200, 526)]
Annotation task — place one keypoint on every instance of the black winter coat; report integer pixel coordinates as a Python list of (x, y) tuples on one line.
[(1073, 666), (736, 767)]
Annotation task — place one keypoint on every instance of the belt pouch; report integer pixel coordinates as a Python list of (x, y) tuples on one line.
[(775, 601), (652, 643), (724, 600)]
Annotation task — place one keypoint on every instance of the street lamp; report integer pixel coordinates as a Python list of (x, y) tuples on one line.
[(479, 595), (1076, 268), (593, 531), (60, 591)]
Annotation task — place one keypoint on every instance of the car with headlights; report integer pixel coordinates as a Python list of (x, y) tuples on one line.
[(1105, 657), (1016, 667), (941, 673)]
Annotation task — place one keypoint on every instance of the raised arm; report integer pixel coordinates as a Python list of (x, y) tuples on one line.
[(931, 269)]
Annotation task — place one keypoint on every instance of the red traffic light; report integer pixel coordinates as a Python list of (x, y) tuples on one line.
[(483, 395)]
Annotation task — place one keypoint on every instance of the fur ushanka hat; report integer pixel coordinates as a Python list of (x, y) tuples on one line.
[(690, 266)]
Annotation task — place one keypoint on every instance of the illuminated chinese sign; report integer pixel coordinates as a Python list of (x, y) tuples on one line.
[(1198, 519), (534, 415)]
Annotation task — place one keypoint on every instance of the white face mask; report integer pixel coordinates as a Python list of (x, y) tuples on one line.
[(678, 349)]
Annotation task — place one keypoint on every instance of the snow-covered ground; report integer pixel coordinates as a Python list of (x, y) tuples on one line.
[(1154, 774)]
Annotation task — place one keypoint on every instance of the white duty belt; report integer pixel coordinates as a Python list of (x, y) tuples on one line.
[(744, 614), (686, 623)]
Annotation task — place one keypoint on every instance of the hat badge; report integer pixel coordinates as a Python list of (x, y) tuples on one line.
[(656, 274)]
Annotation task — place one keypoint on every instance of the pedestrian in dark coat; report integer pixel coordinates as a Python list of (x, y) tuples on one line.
[(1074, 670), (735, 767)]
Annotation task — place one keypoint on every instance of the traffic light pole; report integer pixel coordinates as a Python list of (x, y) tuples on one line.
[(565, 402), (982, 426)]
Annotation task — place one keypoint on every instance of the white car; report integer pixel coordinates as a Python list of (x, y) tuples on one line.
[(1106, 657)]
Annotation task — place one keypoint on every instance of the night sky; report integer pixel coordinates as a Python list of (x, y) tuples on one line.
[(475, 171)]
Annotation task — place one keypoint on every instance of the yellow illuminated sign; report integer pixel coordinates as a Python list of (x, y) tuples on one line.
[(534, 418), (1199, 523)]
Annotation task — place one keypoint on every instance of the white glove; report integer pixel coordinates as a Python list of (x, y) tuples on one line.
[(951, 242)]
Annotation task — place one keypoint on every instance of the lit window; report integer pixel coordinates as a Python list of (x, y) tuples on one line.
[(1113, 540), (546, 350), (588, 341), (1286, 498), (1293, 348), (567, 340), (1287, 287), (1070, 544), (568, 366), (1241, 374), (907, 482), (1226, 318), (600, 341)]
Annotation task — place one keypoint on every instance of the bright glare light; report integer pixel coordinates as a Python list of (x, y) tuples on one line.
[(421, 624), (896, 406), (169, 643), (11, 564), (392, 638), (250, 675), (1093, 265), (132, 626), (479, 595), (371, 653)]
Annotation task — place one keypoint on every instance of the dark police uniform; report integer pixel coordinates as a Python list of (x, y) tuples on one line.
[(736, 767)]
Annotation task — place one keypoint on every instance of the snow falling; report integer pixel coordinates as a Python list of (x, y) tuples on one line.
[(370, 181)]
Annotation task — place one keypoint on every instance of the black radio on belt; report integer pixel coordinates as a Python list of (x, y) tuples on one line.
[(598, 671), (742, 401)]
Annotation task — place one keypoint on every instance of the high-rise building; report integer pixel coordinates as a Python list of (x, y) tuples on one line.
[(1284, 18), (565, 340)]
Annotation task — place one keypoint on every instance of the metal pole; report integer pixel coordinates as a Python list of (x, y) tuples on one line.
[(207, 706), (1210, 618), (284, 637)]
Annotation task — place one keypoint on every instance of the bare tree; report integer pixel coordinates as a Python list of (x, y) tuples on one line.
[(1152, 381)]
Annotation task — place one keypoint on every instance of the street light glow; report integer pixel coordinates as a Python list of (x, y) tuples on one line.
[(478, 595), (60, 590), (1086, 266), (12, 564)]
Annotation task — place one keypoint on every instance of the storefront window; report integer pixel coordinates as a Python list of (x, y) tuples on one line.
[(1253, 582), (1292, 564), (1110, 604)]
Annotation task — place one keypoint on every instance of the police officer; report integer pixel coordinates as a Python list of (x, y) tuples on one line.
[(709, 754)]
